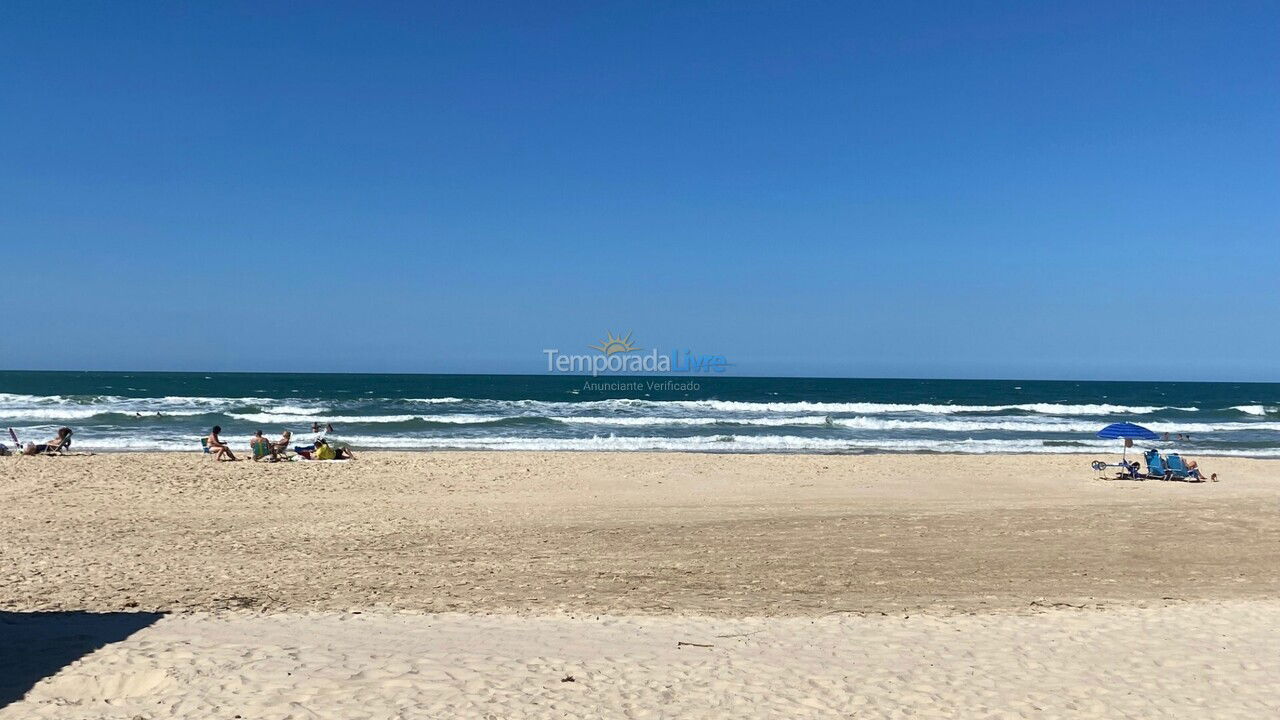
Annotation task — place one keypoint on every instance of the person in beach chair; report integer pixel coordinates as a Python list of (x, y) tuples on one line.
[(1193, 470), (325, 451), (262, 447), (1155, 464), (1178, 470), (281, 446), (214, 444), (52, 447)]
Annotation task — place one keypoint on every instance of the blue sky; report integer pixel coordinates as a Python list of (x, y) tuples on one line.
[(1029, 190)]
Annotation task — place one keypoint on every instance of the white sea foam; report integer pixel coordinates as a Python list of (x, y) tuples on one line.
[(176, 405), (861, 408), (722, 443), (623, 421), (435, 401), (1251, 409), (304, 418), (712, 443), (295, 410), (54, 413), (1042, 425)]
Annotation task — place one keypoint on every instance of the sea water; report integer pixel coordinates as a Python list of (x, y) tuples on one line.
[(171, 411)]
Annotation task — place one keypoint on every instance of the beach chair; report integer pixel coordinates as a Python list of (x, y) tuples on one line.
[(1155, 464), (1124, 470), (261, 449), (1175, 468), (204, 445)]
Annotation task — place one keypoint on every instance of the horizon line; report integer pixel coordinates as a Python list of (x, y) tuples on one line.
[(683, 376)]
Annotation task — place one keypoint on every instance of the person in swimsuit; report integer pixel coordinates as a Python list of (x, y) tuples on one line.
[(267, 447), (220, 450), (1193, 470), (53, 447)]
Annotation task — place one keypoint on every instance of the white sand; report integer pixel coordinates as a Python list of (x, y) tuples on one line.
[(626, 534), (1193, 661), (298, 591)]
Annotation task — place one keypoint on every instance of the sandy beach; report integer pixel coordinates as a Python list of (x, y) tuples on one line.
[(867, 585)]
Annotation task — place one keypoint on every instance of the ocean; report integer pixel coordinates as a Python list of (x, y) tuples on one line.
[(171, 411)]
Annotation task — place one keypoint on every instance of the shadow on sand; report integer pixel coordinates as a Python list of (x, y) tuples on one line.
[(35, 645)]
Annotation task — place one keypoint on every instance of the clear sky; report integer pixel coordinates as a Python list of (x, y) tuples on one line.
[(1030, 190)]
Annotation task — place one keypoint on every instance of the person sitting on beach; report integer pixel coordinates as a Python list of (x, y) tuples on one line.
[(53, 447), (325, 451), (1193, 470), (281, 446), (261, 446), (220, 450)]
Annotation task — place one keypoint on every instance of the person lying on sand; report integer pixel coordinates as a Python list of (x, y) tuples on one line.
[(220, 450), (325, 451), (53, 447)]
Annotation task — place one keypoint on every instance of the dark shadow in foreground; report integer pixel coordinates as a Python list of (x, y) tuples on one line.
[(35, 645)]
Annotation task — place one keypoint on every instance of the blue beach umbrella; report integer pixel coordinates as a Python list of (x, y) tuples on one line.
[(1126, 431)]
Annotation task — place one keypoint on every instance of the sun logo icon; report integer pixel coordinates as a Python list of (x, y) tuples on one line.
[(611, 344)]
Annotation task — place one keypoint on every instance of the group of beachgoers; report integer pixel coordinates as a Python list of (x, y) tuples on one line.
[(1168, 467), (262, 448)]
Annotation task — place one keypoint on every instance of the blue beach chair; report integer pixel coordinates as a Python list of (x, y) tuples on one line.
[(1177, 470), (1155, 463)]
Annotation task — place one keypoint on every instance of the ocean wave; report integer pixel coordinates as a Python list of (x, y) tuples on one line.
[(877, 423), (1260, 410), (701, 443), (435, 401), (20, 399), (722, 443), (861, 408), (285, 418), (28, 405), (296, 409), (652, 420), (26, 414)]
